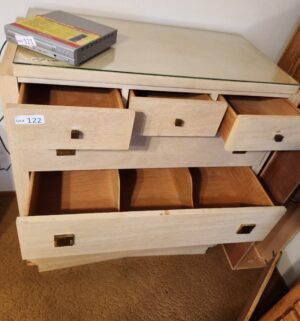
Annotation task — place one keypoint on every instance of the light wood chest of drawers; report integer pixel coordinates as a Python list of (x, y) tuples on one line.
[(110, 164)]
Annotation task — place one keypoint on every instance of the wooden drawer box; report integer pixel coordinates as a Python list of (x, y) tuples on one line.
[(260, 124), (167, 209), (65, 117), (74, 192), (149, 189), (175, 114)]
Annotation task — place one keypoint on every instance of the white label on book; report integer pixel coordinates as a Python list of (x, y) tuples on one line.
[(27, 41), (30, 120)]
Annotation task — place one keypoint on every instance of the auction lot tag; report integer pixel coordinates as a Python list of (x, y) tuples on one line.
[(30, 120), (27, 41)]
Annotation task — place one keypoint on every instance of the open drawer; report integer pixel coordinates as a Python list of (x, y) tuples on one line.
[(65, 117), (157, 188), (175, 114), (74, 192), (260, 124), (163, 209)]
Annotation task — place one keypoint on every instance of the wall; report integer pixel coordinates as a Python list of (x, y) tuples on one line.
[(266, 23), (289, 264)]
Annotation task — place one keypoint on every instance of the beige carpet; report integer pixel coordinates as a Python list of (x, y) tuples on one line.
[(200, 287)]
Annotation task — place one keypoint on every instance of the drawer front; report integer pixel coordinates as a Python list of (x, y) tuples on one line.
[(60, 127), (78, 234), (176, 117), (145, 152), (264, 133)]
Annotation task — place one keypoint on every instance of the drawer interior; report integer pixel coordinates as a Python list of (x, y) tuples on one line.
[(260, 106), (69, 96), (74, 192), (166, 94), (164, 188), (227, 187), (144, 189)]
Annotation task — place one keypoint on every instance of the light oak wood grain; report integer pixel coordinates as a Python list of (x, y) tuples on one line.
[(50, 264), (142, 230), (99, 116), (212, 91), (127, 231), (156, 116), (9, 93), (101, 128), (257, 134), (145, 152), (250, 124)]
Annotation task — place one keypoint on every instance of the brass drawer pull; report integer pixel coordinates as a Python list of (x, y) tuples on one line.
[(278, 138), (64, 240), (179, 122), (76, 134)]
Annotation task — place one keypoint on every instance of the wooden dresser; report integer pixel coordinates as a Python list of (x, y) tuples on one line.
[(151, 148)]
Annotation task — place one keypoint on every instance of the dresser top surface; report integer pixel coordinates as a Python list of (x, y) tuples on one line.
[(159, 50)]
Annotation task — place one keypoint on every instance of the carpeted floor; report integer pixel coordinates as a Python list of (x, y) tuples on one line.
[(200, 287)]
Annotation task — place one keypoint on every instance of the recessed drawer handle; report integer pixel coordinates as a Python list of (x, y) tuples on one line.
[(65, 152), (179, 122), (245, 228), (278, 138), (64, 240), (76, 134)]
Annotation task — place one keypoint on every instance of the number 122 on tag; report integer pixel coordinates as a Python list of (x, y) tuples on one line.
[(29, 120)]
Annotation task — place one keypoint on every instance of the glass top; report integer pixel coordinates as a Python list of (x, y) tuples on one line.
[(149, 49)]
